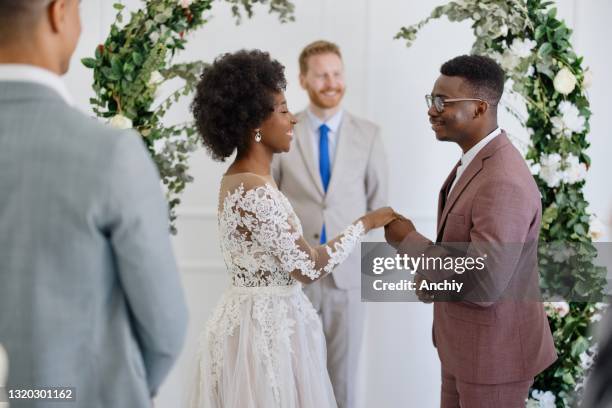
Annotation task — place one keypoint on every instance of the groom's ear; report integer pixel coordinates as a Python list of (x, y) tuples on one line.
[(481, 109)]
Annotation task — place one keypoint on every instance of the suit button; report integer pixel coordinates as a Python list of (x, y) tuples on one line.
[(316, 236)]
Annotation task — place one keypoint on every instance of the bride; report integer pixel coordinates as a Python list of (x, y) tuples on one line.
[(264, 344)]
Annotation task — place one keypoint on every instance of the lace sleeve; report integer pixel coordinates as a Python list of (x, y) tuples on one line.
[(270, 225)]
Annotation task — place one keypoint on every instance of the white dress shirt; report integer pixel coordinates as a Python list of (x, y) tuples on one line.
[(31, 73), (468, 156), (333, 123)]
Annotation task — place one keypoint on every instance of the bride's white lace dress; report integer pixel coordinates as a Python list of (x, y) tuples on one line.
[(263, 347)]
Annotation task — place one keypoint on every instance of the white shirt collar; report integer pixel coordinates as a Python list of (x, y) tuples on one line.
[(31, 73), (468, 156), (333, 122)]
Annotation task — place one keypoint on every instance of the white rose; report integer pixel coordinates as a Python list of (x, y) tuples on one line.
[(4, 365), (561, 308), (587, 81), (185, 3), (121, 122), (156, 78), (564, 81)]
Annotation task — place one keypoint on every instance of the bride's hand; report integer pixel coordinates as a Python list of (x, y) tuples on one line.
[(378, 218)]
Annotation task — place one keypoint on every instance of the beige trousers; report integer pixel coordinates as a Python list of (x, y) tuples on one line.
[(342, 315)]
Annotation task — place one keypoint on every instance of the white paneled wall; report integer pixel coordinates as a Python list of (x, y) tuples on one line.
[(386, 84)]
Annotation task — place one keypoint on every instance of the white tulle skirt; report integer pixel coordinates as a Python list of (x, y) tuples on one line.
[(263, 348)]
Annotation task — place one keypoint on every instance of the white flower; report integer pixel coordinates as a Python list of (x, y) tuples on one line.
[(509, 61), (159, 145), (546, 399), (156, 78), (596, 228), (564, 81), (530, 70), (535, 168), (121, 122), (185, 3), (571, 117), (587, 81), (574, 170), (504, 30), (596, 317), (550, 170), (570, 120), (559, 127), (154, 36), (4, 365), (586, 360), (560, 308), (522, 48)]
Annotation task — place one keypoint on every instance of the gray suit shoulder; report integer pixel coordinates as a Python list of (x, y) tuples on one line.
[(91, 139), (367, 127)]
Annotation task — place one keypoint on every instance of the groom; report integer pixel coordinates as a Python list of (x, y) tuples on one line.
[(490, 348)]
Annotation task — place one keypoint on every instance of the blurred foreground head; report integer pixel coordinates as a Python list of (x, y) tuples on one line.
[(39, 32)]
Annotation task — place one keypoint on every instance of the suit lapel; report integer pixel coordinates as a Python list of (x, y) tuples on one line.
[(305, 146), (472, 170), (442, 199), (343, 145)]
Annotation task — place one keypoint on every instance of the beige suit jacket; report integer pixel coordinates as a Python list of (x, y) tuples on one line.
[(358, 184)]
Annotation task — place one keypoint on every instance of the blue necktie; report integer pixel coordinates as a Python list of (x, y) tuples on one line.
[(324, 166)]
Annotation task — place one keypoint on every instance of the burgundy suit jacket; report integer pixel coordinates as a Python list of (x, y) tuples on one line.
[(496, 340)]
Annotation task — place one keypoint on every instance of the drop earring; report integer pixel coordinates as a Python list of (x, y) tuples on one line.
[(258, 136)]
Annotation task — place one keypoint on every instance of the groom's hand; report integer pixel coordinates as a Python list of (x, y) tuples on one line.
[(423, 295), (396, 231)]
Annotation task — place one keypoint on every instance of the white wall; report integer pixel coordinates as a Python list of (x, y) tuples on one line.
[(386, 84)]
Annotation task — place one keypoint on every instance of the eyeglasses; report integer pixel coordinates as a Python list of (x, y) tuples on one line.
[(438, 102)]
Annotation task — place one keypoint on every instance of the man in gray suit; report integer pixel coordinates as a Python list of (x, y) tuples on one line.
[(335, 171), (89, 295)]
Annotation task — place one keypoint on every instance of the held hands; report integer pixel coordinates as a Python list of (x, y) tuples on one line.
[(396, 231), (378, 218), (423, 295)]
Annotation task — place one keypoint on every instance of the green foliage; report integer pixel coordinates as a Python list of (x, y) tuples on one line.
[(534, 24), (133, 62)]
